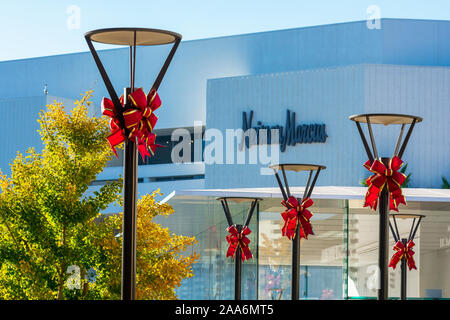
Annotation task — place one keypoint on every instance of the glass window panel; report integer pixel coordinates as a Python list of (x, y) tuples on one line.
[(363, 251), (327, 272), (214, 273), (431, 280), (321, 256)]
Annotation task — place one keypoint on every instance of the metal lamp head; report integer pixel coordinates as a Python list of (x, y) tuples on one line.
[(131, 37), (416, 219), (253, 202), (297, 167), (385, 119)]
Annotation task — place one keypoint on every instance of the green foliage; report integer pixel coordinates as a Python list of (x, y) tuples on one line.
[(159, 261), (45, 204), (445, 184), (408, 176), (50, 221)]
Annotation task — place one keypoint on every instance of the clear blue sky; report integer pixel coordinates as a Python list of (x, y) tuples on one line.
[(32, 28)]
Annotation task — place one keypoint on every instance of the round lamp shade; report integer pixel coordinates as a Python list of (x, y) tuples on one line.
[(406, 215), (385, 118), (125, 36), (297, 167), (239, 199)]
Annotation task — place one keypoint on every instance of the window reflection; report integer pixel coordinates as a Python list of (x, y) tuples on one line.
[(321, 256), (431, 280), (327, 272)]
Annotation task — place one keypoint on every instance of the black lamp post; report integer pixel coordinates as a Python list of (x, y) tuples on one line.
[(416, 219), (385, 119), (131, 37), (295, 295), (239, 229)]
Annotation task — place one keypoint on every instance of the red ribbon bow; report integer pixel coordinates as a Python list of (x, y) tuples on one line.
[(139, 120), (385, 176), (294, 214), (405, 252), (235, 239)]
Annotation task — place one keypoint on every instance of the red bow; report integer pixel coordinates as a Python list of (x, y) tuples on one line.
[(139, 120), (389, 177), (235, 239), (405, 252), (295, 213)]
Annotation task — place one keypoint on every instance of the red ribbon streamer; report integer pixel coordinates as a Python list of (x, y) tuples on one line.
[(403, 252), (295, 214), (385, 176), (235, 239), (139, 120)]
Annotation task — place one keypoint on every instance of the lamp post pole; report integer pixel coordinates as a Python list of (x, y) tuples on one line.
[(383, 196), (286, 193), (239, 253), (403, 270), (296, 265), (131, 37), (383, 251), (238, 270), (405, 241), (129, 217)]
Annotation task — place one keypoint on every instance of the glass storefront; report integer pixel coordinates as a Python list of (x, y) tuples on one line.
[(321, 256), (203, 217), (432, 252), (339, 262)]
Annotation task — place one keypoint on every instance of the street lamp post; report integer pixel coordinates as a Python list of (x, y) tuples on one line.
[(406, 245), (383, 194), (131, 37), (285, 191), (237, 238)]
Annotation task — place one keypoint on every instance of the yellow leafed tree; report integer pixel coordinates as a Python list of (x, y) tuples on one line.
[(55, 244), (160, 263)]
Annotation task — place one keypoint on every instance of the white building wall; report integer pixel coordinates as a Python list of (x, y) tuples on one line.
[(330, 96)]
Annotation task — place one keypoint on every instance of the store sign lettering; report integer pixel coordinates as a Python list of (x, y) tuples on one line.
[(289, 135)]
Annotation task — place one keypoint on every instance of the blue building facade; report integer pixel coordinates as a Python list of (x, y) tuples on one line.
[(184, 90), (323, 74)]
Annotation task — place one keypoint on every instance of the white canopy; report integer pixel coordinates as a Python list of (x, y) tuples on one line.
[(325, 192)]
